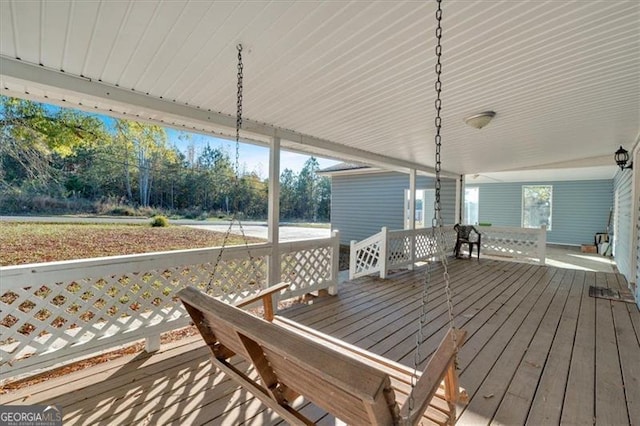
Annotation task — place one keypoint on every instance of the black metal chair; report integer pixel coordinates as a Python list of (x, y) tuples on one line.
[(465, 235)]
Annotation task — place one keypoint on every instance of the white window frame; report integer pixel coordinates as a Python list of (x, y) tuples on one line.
[(466, 213), (524, 187)]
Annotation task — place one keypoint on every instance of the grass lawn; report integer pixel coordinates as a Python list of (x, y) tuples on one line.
[(22, 243)]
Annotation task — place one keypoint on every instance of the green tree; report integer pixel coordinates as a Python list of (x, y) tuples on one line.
[(307, 190), (143, 147), (33, 137), (288, 199)]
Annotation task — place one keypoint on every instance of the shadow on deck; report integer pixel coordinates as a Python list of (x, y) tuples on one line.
[(539, 350)]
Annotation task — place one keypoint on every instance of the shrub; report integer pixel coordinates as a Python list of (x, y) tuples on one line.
[(159, 221), (122, 211)]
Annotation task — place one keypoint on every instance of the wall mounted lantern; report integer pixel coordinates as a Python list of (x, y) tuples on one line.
[(622, 157)]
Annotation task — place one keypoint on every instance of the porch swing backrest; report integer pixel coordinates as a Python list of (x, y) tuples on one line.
[(289, 364)]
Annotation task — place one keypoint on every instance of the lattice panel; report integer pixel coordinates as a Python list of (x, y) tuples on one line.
[(43, 318), (399, 250), (513, 244), (425, 246), (425, 243), (306, 268), (368, 258)]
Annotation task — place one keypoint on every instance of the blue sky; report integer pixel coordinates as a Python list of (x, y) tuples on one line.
[(253, 158)]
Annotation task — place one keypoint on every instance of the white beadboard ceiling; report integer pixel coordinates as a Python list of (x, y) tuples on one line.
[(356, 77)]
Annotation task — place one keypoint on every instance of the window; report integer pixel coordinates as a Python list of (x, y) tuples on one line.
[(471, 205), (536, 206)]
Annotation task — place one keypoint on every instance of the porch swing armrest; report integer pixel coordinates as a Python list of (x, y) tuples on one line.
[(267, 299), (440, 365)]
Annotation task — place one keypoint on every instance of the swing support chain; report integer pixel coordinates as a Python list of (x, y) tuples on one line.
[(236, 186), (438, 237)]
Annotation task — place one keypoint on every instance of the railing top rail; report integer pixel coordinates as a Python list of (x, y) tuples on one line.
[(488, 229), (369, 240), (417, 231), (96, 267)]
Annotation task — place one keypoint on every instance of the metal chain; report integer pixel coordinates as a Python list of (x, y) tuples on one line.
[(239, 86), (438, 206), (239, 109), (438, 237), (237, 164)]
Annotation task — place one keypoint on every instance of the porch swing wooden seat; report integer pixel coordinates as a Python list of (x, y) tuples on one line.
[(354, 385)]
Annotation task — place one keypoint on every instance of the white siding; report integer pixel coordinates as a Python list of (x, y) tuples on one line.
[(623, 223)]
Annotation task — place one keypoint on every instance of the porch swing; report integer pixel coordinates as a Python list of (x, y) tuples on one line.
[(354, 385)]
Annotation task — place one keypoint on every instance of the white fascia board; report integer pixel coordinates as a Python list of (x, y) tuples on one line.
[(22, 79)]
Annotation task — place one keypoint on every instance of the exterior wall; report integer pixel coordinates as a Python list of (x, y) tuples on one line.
[(623, 222), (361, 204), (580, 209)]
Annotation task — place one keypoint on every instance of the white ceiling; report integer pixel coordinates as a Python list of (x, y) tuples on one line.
[(350, 79)]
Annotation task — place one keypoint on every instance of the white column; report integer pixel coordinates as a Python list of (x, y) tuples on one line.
[(459, 199), (384, 253), (412, 215), (273, 231)]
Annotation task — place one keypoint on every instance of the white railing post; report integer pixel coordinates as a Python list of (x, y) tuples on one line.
[(412, 216), (335, 262), (542, 244), (352, 260), (384, 255), (152, 343)]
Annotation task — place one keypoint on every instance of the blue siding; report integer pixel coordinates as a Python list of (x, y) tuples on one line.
[(361, 204), (580, 209)]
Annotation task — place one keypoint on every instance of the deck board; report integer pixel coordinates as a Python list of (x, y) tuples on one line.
[(579, 400), (522, 388), (508, 347), (539, 351), (610, 399), (546, 407), (628, 346)]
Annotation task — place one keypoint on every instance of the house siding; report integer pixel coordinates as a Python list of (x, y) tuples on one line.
[(362, 204), (623, 222), (580, 209)]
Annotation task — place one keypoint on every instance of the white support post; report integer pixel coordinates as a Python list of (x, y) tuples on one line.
[(384, 254), (274, 266), (335, 262), (152, 343), (460, 199), (352, 260), (412, 216), (542, 244)]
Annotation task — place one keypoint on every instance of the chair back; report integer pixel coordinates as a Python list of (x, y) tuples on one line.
[(464, 231)]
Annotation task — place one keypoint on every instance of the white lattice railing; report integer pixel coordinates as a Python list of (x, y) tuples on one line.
[(55, 312), (395, 249), (519, 243)]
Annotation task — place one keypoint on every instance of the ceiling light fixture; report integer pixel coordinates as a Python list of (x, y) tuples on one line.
[(622, 157), (480, 120)]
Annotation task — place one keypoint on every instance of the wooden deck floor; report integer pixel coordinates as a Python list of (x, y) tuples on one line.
[(539, 351)]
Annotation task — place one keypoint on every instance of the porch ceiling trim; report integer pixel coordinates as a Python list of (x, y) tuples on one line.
[(26, 80)]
